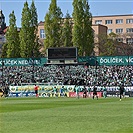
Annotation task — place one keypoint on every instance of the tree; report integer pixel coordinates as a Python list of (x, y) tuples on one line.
[(37, 47), (12, 38), (67, 31), (82, 32), (128, 37), (4, 49), (88, 35), (77, 28), (34, 30), (26, 33), (127, 45), (107, 45), (52, 26)]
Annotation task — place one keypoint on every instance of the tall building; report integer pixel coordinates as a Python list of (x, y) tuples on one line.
[(122, 25)]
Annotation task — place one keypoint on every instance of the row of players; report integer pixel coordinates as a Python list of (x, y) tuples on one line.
[(5, 91), (85, 90)]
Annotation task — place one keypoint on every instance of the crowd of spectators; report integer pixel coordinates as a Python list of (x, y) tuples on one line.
[(67, 75)]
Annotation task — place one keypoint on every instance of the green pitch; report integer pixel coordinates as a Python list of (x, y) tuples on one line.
[(66, 115)]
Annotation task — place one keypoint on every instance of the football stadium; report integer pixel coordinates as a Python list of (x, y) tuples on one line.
[(68, 73), (65, 100)]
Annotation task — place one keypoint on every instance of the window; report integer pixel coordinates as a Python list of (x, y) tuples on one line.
[(42, 34), (98, 22), (129, 21), (129, 40), (119, 39), (109, 31), (108, 21), (119, 21), (129, 30), (119, 30)]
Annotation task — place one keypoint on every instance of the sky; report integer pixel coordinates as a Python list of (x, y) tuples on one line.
[(97, 8)]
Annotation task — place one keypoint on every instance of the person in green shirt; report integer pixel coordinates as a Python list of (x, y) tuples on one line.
[(89, 91), (55, 91), (104, 92), (77, 89)]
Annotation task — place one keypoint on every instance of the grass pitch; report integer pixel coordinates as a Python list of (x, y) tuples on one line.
[(66, 115)]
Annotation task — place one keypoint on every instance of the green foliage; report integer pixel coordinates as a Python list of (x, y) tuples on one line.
[(28, 38), (77, 28), (37, 47), (82, 32), (34, 28), (12, 38), (67, 31), (34, 16), (4, 50), (52, 26), (107, 45), (26, 35), (112, 35), (88, 35), (66, 115)]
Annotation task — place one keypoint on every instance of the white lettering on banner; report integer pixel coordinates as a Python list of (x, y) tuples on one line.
[(14, 62), (111, 60), (24, 62), (121, 60), (37, 62), (31, 61), (10, 62), (21, 62), (129, 60), (7, 62), (104, 60)]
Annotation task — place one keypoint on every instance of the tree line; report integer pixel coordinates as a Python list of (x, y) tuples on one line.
[(59, 31), (75, 31), (23, 43)]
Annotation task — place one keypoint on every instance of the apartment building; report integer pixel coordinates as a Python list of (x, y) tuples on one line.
[(97, 28), (122, 25)]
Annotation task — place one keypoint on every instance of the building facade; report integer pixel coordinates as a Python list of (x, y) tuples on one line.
[(121, 25), (97, 29)]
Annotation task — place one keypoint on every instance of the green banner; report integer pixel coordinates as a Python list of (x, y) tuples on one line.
[(23, 61), (90, 60), (107, 60), (115, 60)]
